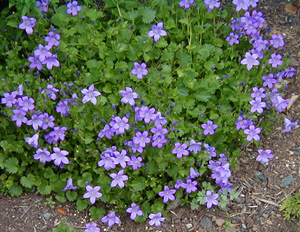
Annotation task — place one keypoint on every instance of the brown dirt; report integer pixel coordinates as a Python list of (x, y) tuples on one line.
[(256, 209)]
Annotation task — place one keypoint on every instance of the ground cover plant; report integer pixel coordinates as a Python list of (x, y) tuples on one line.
[(134, 104)]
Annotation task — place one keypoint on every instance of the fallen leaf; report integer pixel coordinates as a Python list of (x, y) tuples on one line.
[(292, 8), (292, 101), (62, 211)]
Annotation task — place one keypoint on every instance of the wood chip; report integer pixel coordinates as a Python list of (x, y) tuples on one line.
[(292, 8), (268, 202), (292, 101)]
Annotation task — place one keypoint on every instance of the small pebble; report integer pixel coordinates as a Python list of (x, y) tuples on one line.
[(47, 216), (206, 222)]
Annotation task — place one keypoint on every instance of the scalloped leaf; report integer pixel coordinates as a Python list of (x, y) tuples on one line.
[(148, 15)]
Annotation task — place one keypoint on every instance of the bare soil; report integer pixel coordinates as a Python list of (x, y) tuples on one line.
[(256, 209)]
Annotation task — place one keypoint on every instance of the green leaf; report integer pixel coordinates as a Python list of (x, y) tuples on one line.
[(194, 204), (203, 96), (11, 165), (96, 213), (59, 19), (61, 198), (71, 195), (138, 184), (28, 181), (93, 14), (131, 15), (148, 14), (44, 189), (81, 204), (15, 190)]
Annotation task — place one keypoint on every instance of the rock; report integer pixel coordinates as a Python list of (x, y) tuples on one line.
[(176, 204), (47, 216), (286, 181), (188, 226), (244, 226), (220, 222), (206, 222)]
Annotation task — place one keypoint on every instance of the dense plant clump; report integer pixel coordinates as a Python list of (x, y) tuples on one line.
[(134, 103)]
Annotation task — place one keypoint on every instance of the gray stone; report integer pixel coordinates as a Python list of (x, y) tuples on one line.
[(206, 222), (286, 181), (47, 216)]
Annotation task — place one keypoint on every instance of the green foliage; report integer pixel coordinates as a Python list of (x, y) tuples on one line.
[(291, 207), (186, 83), (64, 227)]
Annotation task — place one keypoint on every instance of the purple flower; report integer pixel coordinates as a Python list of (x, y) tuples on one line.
[(190, 186), (111, 218), (241, 4), (120, 125), (257, 105), (179, 184), (275, 60), (107, 161), (26, 104), (36, 121), (47, 121), (106, 131), (250, 60), (128, 96), (233, 39), (194, 147), (253, 3), (69, 185), (281, 104), (92, 193), (160, 120), (277, 41), (33, 141), (158, 131), (27, 24), (252, 133), (42, 155), (288, 125), (42, 52), (269, 81), (156, 219), (167, 194), (73, 8), (135, 147), (186, 3), (157, 31), (9, 99), (264, 156), (42, 5), (258, 94), (118, 179), (260, 45), (59, 156), (211, 199), (121, 158), (135, 162), (209, 127), (211, 150), (147, 114), (91, 227), (158, 141), (62, 108), (210, 4), (139, 70), (141, 138), (51, 61), (90, 95), (59, 132), (134, 210), (50, 91), (35, 62), (19, 117), (241, 123), (52, 39), (193, 173), (180, 150)]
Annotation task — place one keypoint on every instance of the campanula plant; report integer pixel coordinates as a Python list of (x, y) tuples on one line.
[(134, 103)]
